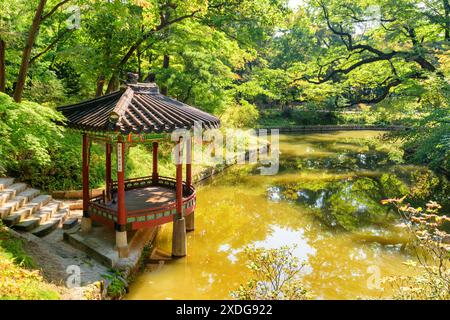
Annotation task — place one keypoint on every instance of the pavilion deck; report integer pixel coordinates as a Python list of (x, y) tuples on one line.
[(142, 198)]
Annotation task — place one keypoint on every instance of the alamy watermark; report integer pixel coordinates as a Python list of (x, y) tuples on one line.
[(74, 276)]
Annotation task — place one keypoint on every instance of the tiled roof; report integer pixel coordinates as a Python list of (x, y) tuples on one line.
[(138, 109)]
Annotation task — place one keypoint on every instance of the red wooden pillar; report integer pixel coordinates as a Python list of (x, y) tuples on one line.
[(121, 212), (155, 162), (121, 231), (85, 221), (179, 178), (108, 171)]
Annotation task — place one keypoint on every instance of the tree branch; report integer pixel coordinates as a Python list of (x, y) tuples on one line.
[(52, 11), (51, 45), (379, 55)]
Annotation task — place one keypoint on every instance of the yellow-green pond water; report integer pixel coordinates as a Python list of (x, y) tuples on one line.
[(325, 199)]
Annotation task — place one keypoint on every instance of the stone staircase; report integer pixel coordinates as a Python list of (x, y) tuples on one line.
[(25, 209)]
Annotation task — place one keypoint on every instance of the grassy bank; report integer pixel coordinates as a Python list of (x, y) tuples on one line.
[(19, 277)]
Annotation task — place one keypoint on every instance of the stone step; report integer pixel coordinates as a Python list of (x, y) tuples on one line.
[(51, 224), (12, 191), (3, 198), (47, 211), (29, 193), (46, 227), (5, 182), (63, 213), (36, 203), (17, 216), (28, 209), (70, 223), (27, 224), (17, 202), (11, 206)]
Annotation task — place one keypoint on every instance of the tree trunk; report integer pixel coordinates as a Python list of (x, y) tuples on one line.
[(113, 84), (138, 53), (100, 85), (166, 62), (32, 34), (2, 66)]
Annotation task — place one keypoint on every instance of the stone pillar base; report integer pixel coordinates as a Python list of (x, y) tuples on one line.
[(190, 222), (86, 224), (122, 244), (179, 246)]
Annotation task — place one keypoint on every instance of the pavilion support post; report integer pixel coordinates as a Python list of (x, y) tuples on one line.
[(121, 232), (155, 163), (86, 223), (108, 171), (189, 218), (179, 245)]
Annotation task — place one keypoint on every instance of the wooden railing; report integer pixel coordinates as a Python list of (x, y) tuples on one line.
[(158, 215), (99, 199), (143, 182)]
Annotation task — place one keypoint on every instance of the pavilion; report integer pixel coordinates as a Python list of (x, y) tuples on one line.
[(137, 114)]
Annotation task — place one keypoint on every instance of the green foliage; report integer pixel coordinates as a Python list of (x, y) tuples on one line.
[(275, 276), (29, 135), (13, 249), (432, 278), (117, 285), (241, 115)]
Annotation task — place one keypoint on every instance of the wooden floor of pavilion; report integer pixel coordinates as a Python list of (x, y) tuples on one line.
[(150, 197)]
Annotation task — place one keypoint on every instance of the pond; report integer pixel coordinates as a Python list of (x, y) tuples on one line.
[(325, 200)]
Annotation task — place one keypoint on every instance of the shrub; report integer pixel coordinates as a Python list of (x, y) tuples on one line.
[(432, 248), (276, 276), (241, 115), (29, 135)]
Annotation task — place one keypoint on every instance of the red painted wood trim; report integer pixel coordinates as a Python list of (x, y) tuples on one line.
[(85, 154), (108, 171), (102, 220), (121, 210), (155, 162)]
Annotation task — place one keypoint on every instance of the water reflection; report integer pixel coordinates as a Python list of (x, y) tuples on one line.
[(326, 200)]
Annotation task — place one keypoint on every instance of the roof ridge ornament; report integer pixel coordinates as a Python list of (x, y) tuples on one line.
[(144, 87)]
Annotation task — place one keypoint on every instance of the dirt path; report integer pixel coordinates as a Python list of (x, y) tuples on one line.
[(59, 261)]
